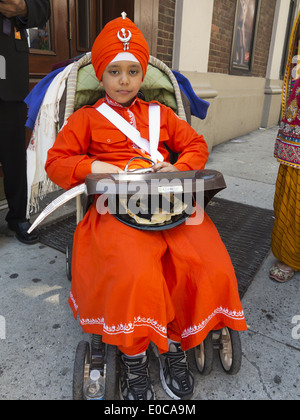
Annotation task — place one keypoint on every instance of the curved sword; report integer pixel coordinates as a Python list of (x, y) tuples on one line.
[(59, 201)]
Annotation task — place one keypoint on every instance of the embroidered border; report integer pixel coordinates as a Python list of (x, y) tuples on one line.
[(73, 301), (129, 328), (237, 316), (287, 153)]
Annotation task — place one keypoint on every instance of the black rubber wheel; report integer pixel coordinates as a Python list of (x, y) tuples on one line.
[(81, 366), (230, 351), (112, 372), (69, 252), (204, 356)]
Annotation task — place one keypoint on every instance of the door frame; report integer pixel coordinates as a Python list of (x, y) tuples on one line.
[(146, 14)]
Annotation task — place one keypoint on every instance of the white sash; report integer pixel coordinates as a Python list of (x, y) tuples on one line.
[(154, 129)]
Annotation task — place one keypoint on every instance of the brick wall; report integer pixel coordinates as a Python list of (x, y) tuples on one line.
[(166, 31), (222, 35), (264, 35)]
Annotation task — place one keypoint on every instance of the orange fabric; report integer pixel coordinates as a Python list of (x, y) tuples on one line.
[(89, 136), (133, 286), (107, 45)]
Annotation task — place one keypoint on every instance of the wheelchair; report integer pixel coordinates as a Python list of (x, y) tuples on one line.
[(104, 357), (82, 88)]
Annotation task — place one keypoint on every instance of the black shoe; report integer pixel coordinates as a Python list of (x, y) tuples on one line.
[(21, 229), (135, 382), (175, 375)]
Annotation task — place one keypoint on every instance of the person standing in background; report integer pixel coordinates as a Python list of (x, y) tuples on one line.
[(15, 17), (286, 230)]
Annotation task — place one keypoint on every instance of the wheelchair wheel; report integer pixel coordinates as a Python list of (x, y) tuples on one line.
[(230, 351), (69, 251), (111, 372), (84, 364), (81, 369), (204, 356)]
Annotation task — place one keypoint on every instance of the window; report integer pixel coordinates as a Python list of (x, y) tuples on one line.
[(243, 43), (40, 38), (83, 24)]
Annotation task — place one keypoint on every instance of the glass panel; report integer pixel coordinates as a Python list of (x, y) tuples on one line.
[(83, 14), (39, 38)]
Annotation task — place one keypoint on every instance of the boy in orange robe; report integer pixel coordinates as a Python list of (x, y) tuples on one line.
[(131, 286)]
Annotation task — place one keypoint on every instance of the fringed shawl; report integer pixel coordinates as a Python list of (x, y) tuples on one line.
[(43, 137)]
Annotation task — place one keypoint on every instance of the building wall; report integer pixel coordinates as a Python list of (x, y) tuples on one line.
[(193, 23), (156, 19), (263, 40), (165, 39), (202, 52), (221, 36)]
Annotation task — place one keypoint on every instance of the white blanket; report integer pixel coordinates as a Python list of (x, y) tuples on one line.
[(43, 137)]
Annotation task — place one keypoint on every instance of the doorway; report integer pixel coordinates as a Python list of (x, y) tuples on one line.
[(71, 31)]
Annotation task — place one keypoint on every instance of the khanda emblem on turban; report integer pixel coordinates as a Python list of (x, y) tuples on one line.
[(125, 38)]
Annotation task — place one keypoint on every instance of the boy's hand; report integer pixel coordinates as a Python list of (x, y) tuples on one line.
[(12, 8), (99, 167), (164, 167)]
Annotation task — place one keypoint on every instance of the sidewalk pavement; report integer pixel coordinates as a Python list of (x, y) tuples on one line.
[(38, 335)]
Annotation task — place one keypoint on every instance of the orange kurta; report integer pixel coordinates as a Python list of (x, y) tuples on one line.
[(133, 286)]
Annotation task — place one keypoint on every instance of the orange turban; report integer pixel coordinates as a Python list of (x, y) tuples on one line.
[(118, 36)]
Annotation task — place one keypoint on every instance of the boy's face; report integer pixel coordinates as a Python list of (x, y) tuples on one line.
[(122, 81)]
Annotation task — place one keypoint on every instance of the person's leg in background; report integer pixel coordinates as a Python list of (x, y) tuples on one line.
[(13, 160)]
